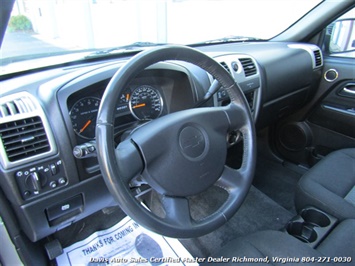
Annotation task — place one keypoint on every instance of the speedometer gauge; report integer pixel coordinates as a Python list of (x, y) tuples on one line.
[(83, 116), (146, 103)]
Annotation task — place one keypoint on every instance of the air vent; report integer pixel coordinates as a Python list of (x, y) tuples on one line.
[(8, 109), (248, 66), (225, 66), (318, 58), (18, 106), (24, 138)]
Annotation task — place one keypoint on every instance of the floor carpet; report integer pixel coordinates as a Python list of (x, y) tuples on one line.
[(277, 181), (258, 212)]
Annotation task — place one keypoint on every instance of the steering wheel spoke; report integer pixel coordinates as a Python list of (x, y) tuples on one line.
[(128, 160), (237, 116), (177, 210)]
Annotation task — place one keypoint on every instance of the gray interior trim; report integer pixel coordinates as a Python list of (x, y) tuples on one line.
[(8, 253)]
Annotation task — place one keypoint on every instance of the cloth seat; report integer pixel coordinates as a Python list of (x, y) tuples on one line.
[(280, 248), (330, 185)]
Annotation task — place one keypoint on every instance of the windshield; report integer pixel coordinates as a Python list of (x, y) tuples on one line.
[(41, 28)]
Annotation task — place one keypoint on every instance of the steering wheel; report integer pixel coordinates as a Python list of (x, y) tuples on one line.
[(180, 154)]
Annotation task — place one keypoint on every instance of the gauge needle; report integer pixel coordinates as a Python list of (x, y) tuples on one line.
[(85, 126), (139, 105), (127, 97)]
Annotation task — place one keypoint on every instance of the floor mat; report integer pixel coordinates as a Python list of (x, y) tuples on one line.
[(126, 243), (258, 212), (81, 229), (277, 181)]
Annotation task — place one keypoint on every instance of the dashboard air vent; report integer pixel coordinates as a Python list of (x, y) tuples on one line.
[(225, 66), (24, 138), (318, 58), (248, 66), (18, 106)]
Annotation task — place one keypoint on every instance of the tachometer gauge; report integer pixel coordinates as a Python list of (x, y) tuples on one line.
[(146, 103), (83, 116)]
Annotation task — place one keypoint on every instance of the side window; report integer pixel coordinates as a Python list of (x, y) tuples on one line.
[(340, 36)]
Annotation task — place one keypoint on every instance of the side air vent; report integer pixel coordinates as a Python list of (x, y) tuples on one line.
[(318, 58), (248, 66), (18, 106), (225, 66), (24, 138), (313, 51), (25, 134)]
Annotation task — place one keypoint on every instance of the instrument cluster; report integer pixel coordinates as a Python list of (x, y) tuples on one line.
[(150, 95), (142, 103)]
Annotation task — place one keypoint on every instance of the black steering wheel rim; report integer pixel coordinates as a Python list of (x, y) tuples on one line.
[(113, 162)]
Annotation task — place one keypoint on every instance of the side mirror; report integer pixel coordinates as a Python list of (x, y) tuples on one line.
[(342, 36)]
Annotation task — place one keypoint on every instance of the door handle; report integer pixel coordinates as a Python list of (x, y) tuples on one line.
[(348, 90)]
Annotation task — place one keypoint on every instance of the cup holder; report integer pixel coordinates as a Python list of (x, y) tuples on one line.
[(303, 231), (315, 217), (310, 226)]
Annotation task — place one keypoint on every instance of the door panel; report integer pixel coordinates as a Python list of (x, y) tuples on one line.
[(337, 111), (327, 123)]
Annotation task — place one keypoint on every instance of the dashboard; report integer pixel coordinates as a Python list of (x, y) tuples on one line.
[(49, 168)]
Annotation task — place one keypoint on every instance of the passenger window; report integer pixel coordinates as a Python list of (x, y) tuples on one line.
[(340, 36)]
